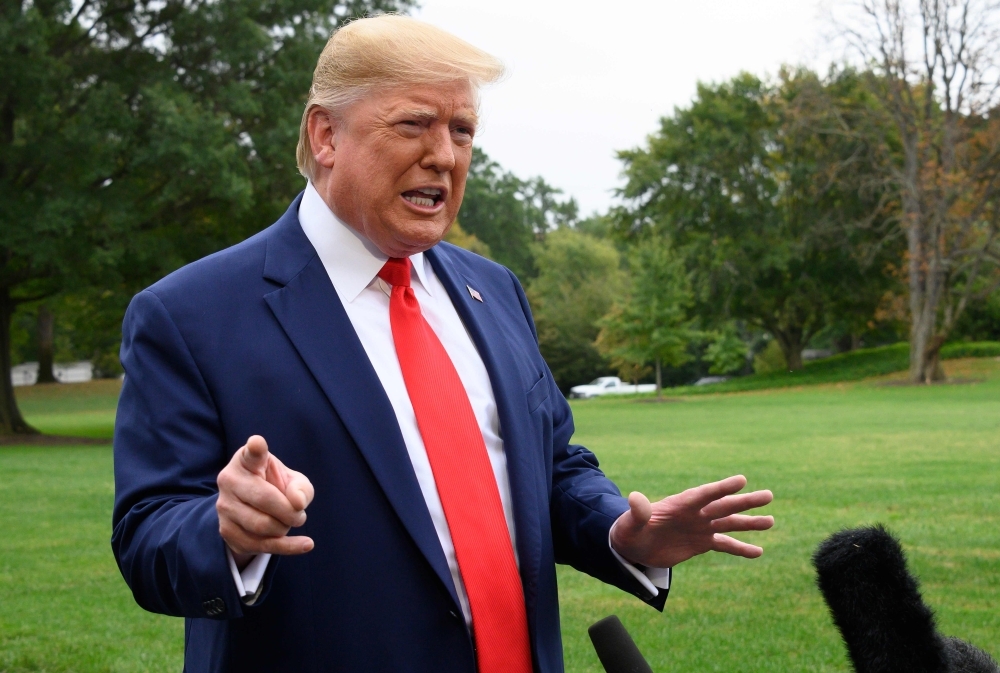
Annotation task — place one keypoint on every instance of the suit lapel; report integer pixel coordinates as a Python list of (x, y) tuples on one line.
[(311, 314), (494, 348)]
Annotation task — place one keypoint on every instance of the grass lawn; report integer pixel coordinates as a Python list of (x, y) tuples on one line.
[(926, 461)]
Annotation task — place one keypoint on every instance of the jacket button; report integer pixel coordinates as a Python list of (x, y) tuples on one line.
[(214, 607)]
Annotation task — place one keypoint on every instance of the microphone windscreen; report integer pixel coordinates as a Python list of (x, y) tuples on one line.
[(876, 604), (615, 647)]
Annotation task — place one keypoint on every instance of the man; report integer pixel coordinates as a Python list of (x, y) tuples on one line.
[(400, 378)]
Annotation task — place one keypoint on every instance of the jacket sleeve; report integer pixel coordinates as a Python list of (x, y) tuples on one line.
[(584, 503), (169, 447)]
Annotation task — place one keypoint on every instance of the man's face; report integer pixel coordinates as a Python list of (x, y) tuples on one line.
[(398, 162)]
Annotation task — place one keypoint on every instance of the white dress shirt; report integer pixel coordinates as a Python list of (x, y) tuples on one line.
[(353, 262)]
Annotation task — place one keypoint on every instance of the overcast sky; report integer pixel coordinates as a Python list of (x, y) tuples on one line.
[(588, 78)]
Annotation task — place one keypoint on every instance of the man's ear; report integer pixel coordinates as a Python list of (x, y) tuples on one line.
[(322, 127)]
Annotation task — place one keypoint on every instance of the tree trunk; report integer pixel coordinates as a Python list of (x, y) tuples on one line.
[(659, 380), (46, 329), (791, 347), (11, 421), (932, 360)]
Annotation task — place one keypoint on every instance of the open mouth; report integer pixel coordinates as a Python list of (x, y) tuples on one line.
[(424, 197)]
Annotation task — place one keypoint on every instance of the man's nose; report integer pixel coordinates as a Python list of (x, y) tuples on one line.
[(439, 150)]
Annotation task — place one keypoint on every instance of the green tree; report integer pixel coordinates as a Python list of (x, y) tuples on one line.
[(579, 278), (762, 188), (137, 135), (651, 324), (509, 214), (726, 352)]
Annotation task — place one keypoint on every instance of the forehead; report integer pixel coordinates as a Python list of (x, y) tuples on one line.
[(440, 101)]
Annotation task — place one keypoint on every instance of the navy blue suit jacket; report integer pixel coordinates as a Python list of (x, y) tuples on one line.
[(254, 340)]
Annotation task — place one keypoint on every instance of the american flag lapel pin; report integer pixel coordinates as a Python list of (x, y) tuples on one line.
[(475, 295)]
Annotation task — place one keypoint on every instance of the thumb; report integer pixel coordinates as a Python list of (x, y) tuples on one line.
[(254, 455), (639, 508), (627, 528)]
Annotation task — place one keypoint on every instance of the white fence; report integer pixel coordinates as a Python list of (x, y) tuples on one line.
[(65, 372)]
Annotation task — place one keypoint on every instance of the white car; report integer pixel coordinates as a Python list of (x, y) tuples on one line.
[(609, 385)]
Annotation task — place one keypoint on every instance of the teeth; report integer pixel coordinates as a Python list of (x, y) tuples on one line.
[(432, 191), (419, 201)]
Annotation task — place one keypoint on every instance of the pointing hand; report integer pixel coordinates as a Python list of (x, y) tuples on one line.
[(260, 500)]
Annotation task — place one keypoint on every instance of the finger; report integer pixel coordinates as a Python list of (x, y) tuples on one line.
[(637, 516), (627, 528), (699, 496), (640, 508), (728, 545), (264, 497), (254, 455), (254, 522), (275, 474), (733, 504), (741, 522), (298, 489), (289, 545), (243, 542)]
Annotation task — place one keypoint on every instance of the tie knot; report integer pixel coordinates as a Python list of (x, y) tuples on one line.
[(396, 272)]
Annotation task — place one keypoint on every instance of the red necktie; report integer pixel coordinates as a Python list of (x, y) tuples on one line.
[(465, 482)]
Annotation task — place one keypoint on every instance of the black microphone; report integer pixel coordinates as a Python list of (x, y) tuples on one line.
[(876, 604), (615, 647)]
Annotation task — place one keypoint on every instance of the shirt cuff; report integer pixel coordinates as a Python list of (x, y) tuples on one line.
[(249, 582), (652, 579)]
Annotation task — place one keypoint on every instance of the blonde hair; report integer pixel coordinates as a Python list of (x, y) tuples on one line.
[(384, 52)]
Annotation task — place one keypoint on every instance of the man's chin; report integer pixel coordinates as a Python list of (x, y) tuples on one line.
[(410, 236)]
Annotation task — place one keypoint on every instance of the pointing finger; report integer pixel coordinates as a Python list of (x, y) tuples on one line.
[(254, 455)]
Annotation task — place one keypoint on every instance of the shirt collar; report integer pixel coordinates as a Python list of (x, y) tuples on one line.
[(350, 259)]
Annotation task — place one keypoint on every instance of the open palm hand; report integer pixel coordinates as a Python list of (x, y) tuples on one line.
[(665, 533)]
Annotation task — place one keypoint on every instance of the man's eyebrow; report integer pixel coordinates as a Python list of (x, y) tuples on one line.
[(427, 115), (469, 117), (464, 117)]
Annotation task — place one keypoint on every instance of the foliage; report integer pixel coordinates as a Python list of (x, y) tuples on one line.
[(463, 239), (87, 327), (760, 188), (850, 366), (138, 135), (578, 278), (771, 359), (726, 352), (651, 324), (936, 73), (508, 213), (981, 320)]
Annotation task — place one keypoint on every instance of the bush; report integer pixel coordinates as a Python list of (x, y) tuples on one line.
[(770, 360), (975, 349), (850, 366)]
